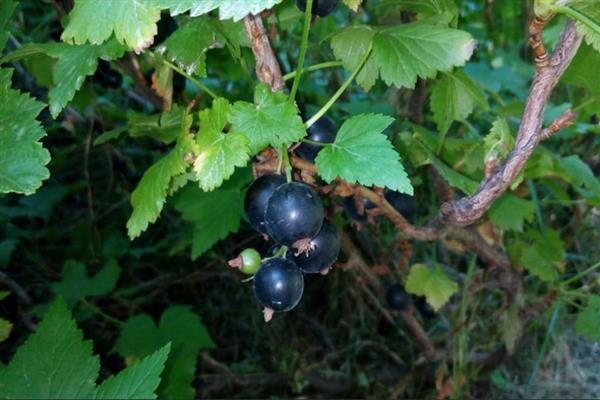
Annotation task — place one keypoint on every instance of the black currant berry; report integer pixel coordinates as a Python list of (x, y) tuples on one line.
[(278, 284), (397, 298), (403, 203), (424, 308), (257, 198), (106, 76), (294, 212), (165, 27), (324, 250), (322, 131), (322, 8), (352, 210)]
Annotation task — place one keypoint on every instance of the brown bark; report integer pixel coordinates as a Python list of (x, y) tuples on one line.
[(267, 65), (469, 209)]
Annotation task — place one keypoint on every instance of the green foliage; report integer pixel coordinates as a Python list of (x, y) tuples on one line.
[(591, 10), (56, 363), (362, 154), (433, 283), (158, 136), (588, 319), (499, 142), (509, 212), (133, 23), (453, 98), (187, 46), (403, 53), (149, 196), (187, 335), (73, 65), (6, 9), (200, 207), (219, 153), (76, 284), (22, 157), (271, 120)]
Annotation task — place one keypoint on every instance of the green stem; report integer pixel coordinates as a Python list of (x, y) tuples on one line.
[(584, 19), (286, 159), (339, 92), (303, 46), (534, 197), (316, 67), (98, 311), (315, 142), (581, 274), (195, 81), (545, 344)]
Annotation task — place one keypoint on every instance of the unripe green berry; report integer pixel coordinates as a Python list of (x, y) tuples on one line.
[(250, 261)]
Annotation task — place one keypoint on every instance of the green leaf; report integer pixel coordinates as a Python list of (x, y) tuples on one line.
[(499, 142), (540, 252), (588, 320), (353, 4), (107, 136), (187, 46), (512, 325), (5, 328), (349, 45), (219, 153), (434, 284), (592, 11), (361, 153), (76, 284), (227, 8), (271, 120), (7, 7), (165, 127), (509, 212), (187, 334), (537, 265), (54, 363), (22, 157), (150, 195), (578, 173), (138, 381), (402, 53), (73, 65), (453, 177), (201, 207), (583, 70), (418, 49), (454, 98), (7, 247), (133, 22)]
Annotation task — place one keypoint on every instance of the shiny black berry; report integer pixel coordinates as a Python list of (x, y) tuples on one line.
[(294, 212), (403, 203), (352, 210), (324, 250), (322, 8), (397, 298), (257, 197), (322, 131), (278, 284), (106, 76), (424, 308)]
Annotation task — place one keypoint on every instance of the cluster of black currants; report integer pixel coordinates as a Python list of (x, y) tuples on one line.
[(292, 214)]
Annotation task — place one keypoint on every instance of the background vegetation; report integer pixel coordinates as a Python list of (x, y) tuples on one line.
[(516, 292)]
